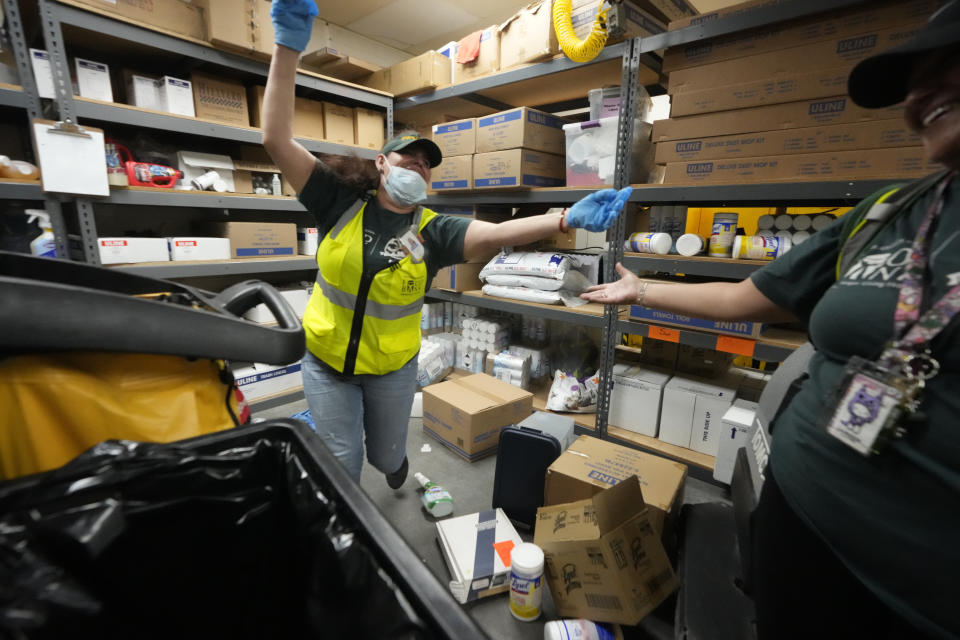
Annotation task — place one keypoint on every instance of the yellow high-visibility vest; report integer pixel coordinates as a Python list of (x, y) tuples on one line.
[(364, 324)]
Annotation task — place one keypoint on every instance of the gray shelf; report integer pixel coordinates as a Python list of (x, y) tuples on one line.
[(204, 200), (122, 114), (12, 98), (704, 340), (140, 35), (276, 401), (734, 269), (499, 304), (844, 192), (759, 17), (231, 268), (20, 191), (538, 196)]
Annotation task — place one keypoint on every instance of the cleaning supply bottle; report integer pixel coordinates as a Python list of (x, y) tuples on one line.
[(580, 629), (436, 500), (44, 245), (18, 169), (276, 186)]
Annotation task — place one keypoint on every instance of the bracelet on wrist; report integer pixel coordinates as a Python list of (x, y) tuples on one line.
[(641, 296), (563, 218)]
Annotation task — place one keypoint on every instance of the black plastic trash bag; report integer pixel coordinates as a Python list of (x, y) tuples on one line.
[(231, 535)]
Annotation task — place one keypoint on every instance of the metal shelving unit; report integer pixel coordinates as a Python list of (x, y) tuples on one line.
[(20, 191), (550, 312), (205, 200), (220, 267), (11, 96), (558, 195), (720, 268)]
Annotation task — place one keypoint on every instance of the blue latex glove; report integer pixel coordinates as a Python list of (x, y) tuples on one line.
[(293, 22), (599, 210)]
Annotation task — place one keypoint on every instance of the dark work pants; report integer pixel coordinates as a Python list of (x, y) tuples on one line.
[(801, 588)]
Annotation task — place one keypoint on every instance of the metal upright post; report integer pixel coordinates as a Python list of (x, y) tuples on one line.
[(18, 42), (66, 111), (625, 133)]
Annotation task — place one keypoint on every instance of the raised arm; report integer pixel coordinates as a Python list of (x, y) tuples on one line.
[(710, 300), (292, 23)]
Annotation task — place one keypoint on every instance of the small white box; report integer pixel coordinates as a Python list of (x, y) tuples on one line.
[(636, 398), (42, 73), (126, 250), (296, 298), (308, 239), (192, 248), (737, 425), (474, 541), (679, 411), (259, 381), (176, 96), (713, 401), (144, 92), (194, 164), (93, 80)]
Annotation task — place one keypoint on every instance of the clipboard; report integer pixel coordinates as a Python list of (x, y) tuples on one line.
[(72, 158)]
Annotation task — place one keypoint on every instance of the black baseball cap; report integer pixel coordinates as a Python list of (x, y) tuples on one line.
[(413, 140), (881, 80)]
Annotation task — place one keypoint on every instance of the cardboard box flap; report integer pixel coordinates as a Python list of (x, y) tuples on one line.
[(533, 8), (571, 522), (618, 504), (491, 392), (204, 160)]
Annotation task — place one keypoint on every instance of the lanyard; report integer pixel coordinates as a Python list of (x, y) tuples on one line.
[(915, 331)]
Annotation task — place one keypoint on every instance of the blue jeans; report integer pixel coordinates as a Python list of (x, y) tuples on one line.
[(347, 408)]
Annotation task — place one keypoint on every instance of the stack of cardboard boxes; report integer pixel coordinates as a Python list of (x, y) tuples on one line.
[(521, 147), (770, 104)]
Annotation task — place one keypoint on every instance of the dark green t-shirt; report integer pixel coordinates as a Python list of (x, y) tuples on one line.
[(327, 198), (894, 518)]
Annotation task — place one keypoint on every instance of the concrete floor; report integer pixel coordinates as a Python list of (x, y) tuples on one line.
[(471, 486)]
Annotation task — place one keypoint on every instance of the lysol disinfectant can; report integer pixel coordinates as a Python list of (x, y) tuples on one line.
[(526, 581), (722, 235)]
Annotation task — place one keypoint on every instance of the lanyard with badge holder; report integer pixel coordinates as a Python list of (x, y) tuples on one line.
[(877, 395)]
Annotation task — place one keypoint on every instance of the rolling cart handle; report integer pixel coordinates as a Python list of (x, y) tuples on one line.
[(243, 296)]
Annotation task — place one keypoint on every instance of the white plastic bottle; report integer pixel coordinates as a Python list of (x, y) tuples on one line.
[(526, 581), (576, 630), (436, 500), (45, 244), (277, 187)]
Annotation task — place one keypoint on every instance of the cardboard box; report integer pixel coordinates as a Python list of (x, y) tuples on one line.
[(486, 62), (467, 415), (369, 128), (742, 329), (782, 35), (194, 164), (603, 560), (726, 12), (178, 16), (836, 137), (425, 72), (897, 164), (790, 87), (692, 410), (259, 381), (144, 91), (93, 80), (635, 399), (455, 173), (337, 123), (658, 353), (675, 9), (308, 240), (243, 176), (637, 22), (838, 52), (129, 250), (702, 362), (792, 115), (219, 100), (259, 239), (307, 113), (42, 73), (591, 465), (517, 168), (458, 138), (240, 25), (476, 548), (176, 96), (737, 423), (522, 127), (528, 36), (195, 248), (459, 277)]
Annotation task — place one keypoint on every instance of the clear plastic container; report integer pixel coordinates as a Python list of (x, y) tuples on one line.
[(605, 103), (592, 152)]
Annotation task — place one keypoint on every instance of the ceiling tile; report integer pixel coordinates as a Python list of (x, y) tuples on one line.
[(413, 21), (341, 13)]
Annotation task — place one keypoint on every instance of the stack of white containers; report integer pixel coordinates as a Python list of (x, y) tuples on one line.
[(481, 336)]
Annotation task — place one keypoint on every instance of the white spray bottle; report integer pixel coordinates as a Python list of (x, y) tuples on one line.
[(436, 500), (45, 244)]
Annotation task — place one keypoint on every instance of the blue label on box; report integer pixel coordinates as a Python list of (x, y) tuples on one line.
[(495, 182), (265, 251), (544, 119), (745, 329), (500, 118), (267, 375), (450, 184), (451, 128)]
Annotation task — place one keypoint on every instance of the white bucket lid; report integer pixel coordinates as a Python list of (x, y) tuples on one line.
[(527, 557), (689, 244)]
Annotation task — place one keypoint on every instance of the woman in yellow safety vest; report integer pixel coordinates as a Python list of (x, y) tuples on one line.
[(379, 251)]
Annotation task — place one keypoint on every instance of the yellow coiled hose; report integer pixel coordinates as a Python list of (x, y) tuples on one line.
[(576, 49)]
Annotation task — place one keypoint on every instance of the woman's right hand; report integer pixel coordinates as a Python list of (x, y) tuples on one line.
[(293, 22)]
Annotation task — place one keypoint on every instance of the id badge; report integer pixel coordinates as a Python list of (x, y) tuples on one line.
[(870, 406), (412, 244)]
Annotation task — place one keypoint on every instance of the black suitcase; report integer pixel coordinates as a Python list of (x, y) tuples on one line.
[(523, 456)]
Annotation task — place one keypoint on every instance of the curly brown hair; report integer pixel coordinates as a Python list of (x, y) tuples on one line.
[(356, 172)]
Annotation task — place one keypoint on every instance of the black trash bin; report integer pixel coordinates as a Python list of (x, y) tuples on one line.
[(255, 532)]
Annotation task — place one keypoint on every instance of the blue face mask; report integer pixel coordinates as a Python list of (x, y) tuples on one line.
[(405, 187)]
